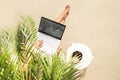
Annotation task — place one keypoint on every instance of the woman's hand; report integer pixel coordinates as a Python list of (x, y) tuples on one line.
[(38, 44)]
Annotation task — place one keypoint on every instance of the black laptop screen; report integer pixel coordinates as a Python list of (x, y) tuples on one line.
[(51, 28)]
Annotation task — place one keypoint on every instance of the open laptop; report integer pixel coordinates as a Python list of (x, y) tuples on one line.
[(51, 33)]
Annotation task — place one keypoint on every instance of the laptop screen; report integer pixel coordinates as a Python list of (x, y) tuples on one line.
[(51, 28)]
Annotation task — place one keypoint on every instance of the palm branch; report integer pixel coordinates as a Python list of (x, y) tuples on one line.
[(20, 61)]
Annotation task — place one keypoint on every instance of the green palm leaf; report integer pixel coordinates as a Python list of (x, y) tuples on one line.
[(26, 36), (20, 61), (8, 66)]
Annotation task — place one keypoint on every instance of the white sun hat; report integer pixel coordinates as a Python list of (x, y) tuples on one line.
[(86, 55)]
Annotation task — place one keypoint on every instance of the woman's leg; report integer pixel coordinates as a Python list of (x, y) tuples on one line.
[(62, 17)]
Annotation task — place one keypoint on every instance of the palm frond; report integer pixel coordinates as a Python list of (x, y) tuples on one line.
[(20, 61), (8, 67), (26, 34), (25, 39), (55, 68)]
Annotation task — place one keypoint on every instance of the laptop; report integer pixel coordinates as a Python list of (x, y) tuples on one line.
[(51, 33)]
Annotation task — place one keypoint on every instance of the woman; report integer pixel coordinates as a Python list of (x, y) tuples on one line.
[(60, 19)]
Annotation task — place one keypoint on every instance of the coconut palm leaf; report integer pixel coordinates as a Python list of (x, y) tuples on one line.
[(55, 68), (20, 61), (8, 66), (26, 36)]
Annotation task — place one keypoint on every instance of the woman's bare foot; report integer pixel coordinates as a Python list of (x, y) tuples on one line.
[(61, 19)]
